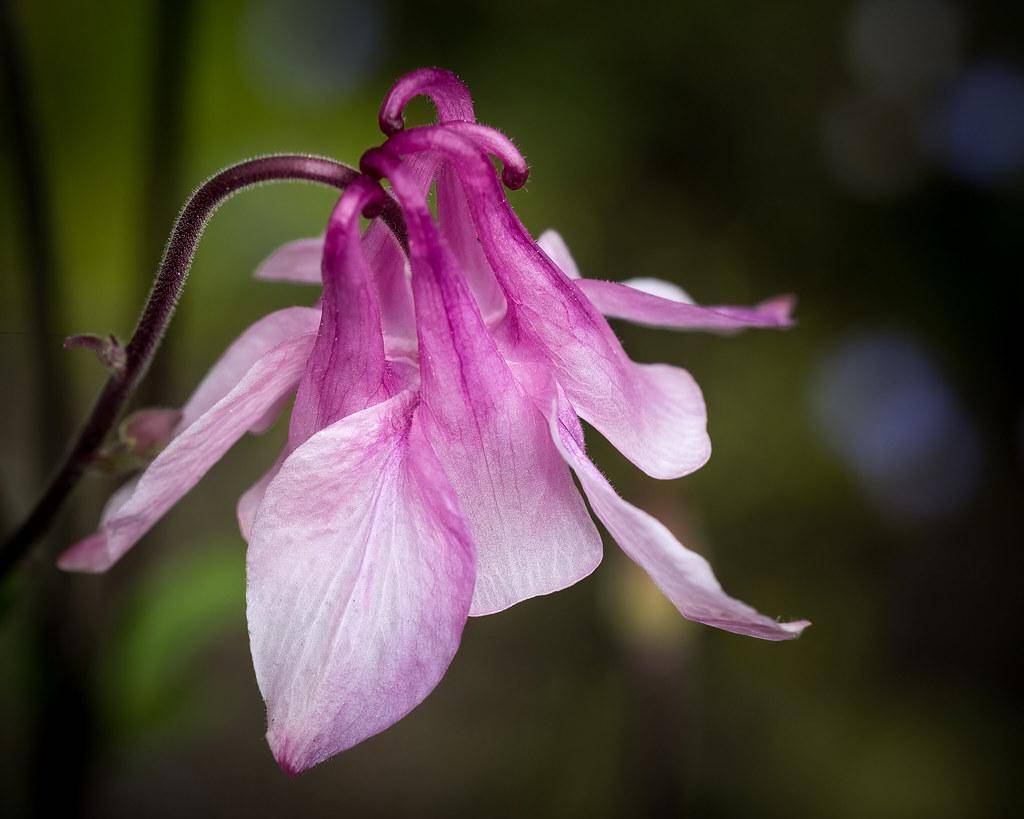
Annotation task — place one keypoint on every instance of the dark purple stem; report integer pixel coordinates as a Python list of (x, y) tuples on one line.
[(156, 315)]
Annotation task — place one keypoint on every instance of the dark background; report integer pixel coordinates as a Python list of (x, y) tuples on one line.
[(867, 471)]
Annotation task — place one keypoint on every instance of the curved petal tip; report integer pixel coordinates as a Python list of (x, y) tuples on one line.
[(795, 628), (290, 757), (88, 555), (780, 308)]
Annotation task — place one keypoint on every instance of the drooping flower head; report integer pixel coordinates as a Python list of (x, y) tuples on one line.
[(428, 470)]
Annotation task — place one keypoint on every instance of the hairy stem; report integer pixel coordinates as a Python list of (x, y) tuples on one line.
[(156, 315)]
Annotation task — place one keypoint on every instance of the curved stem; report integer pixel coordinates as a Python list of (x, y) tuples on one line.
[(156, 315)]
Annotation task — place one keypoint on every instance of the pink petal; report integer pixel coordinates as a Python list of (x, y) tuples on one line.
[(300, 262), (246, 350), (448, 93), (660, 288), (347, 371), (297, 262), (552, 243), (249, 504), (532, 532), (633, 304), (360, 574), (134, 510), (659, 303), (654, 415), (531, 528), (390, 268), (460, 236), (404, 376), (684, 577)]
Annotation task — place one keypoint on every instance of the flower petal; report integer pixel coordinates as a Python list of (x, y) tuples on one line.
[(134, 510), (552, 243), (532, 532), (656, 309), (448, 93), (654, 415), (460, 235), (531, 528), (360, 574), (297, 262), (659, 303), (346, 371), (248, 505), (246, 350), (660, 288), (684, 577)]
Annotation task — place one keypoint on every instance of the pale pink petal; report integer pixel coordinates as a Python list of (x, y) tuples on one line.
[(683, 576), (188, 457), (255, 342), (404, 376), (460, 235), (348, 369), (659, 303), (297, 262), (529, 523), (251, 499), (654, 309), (552, 243), (654, 415), (660, 288), (530, 526), (360, 574), (300, 262), (390, 268)]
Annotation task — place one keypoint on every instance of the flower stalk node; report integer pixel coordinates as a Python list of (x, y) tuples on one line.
[(108, 349)]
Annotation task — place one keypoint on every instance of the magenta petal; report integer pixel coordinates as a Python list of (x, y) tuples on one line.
[(659, 303), (405, 376), (188, 457), (360, 574), (654, 415), (300, 262), (530, 526), (460, 235), (660, 288), (255, 342), (532, 531), (297, 262), (684, 577), (554, 246), (347, 370), (630, 303), (448, 93)]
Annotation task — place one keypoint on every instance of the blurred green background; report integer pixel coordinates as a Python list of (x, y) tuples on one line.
[(867, 472)]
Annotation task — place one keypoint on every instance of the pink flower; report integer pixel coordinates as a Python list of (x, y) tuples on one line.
[(428, 472)]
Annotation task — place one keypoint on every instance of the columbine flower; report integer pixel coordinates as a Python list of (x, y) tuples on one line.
[(427, 474)]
